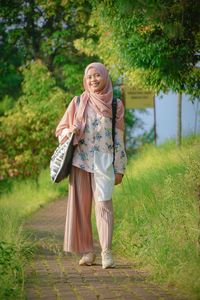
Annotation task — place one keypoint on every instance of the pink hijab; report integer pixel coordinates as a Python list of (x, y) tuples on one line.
[(101, 103)]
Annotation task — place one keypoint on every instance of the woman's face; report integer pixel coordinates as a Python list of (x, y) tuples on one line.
[(94, 80)]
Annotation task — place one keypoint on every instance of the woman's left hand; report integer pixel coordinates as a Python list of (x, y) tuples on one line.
[(118, 178)]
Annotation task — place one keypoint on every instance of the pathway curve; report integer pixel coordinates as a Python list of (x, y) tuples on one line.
[(53, 275)]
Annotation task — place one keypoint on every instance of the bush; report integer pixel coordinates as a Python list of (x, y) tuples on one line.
[(11, 271), (27, 131)]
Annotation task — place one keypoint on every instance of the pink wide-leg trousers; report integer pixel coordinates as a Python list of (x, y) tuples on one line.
[(78, 228)]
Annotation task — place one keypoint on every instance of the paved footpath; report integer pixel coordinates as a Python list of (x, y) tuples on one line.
[(52, 275)]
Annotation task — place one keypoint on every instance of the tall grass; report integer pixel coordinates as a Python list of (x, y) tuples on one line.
[(157, 216), (16, 205)]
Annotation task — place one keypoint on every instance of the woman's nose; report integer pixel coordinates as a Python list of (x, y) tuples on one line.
[(93, 78)]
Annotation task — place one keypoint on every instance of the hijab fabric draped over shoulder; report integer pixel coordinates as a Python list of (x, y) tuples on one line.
[(101, 103)]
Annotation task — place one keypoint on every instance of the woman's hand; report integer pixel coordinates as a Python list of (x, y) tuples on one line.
[(75, 129), (118, 178)]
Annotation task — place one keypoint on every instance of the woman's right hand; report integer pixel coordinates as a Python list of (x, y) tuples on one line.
[(64, 135), (75, 129)]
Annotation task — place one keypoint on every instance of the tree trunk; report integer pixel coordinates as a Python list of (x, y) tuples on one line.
[(154, 125), (196, 116), (179, 120)]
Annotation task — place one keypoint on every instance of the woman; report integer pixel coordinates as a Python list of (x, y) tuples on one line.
[(93, 173)]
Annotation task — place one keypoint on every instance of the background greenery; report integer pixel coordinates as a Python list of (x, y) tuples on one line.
[(160, 230), (153, 43), (45, 46)]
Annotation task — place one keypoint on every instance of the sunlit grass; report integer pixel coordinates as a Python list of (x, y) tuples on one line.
[(26, 196), (16, 205), (156, 213), (156, 217)]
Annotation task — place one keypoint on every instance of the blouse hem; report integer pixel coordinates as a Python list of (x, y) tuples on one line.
[(84, 169)]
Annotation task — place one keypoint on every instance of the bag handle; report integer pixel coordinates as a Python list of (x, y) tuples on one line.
[(114, 112)]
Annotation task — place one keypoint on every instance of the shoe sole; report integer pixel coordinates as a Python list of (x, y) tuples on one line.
[(109, 266), (86, 264)]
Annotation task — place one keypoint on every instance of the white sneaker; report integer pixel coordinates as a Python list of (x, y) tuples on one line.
[(87, 259), (107, 260)]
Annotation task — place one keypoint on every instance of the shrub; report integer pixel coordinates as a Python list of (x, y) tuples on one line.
[(12, 260), (27, 131)]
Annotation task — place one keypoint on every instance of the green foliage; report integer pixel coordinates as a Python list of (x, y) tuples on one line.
[(133, 123), (10, 58), (27, 131), (38, 29), (161, 229), (73, 78), (11, 269), (16, 247), (158, 41), (6, 104)]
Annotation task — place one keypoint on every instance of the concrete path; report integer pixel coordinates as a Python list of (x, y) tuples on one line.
[(53, 275)]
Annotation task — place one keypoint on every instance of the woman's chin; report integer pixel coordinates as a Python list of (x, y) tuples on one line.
[(94, 90)]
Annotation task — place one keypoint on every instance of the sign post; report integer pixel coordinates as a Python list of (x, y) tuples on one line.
[(137, 98)]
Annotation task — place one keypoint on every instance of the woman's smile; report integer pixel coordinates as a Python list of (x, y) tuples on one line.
[(95, 84)]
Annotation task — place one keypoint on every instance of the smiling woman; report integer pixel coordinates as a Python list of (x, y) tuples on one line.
[(93, 173)]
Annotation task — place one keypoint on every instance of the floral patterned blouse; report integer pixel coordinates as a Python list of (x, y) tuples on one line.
[(97, 143)]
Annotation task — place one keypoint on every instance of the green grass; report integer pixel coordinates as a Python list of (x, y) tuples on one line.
[(156, 218), (156, 214), (24, 198)]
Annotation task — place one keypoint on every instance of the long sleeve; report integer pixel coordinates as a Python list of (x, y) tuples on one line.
[(68, 123), (68, 118), (120, 154)]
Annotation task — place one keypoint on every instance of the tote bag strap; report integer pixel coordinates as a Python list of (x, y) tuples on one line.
[(114, 111)]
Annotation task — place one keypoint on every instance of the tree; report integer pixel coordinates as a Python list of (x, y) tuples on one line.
[(153, 43), (45, 30), (179, 120), (161, 38), (27, 137)]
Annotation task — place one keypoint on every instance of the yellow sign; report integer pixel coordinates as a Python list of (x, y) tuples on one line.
[(138, 98)]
